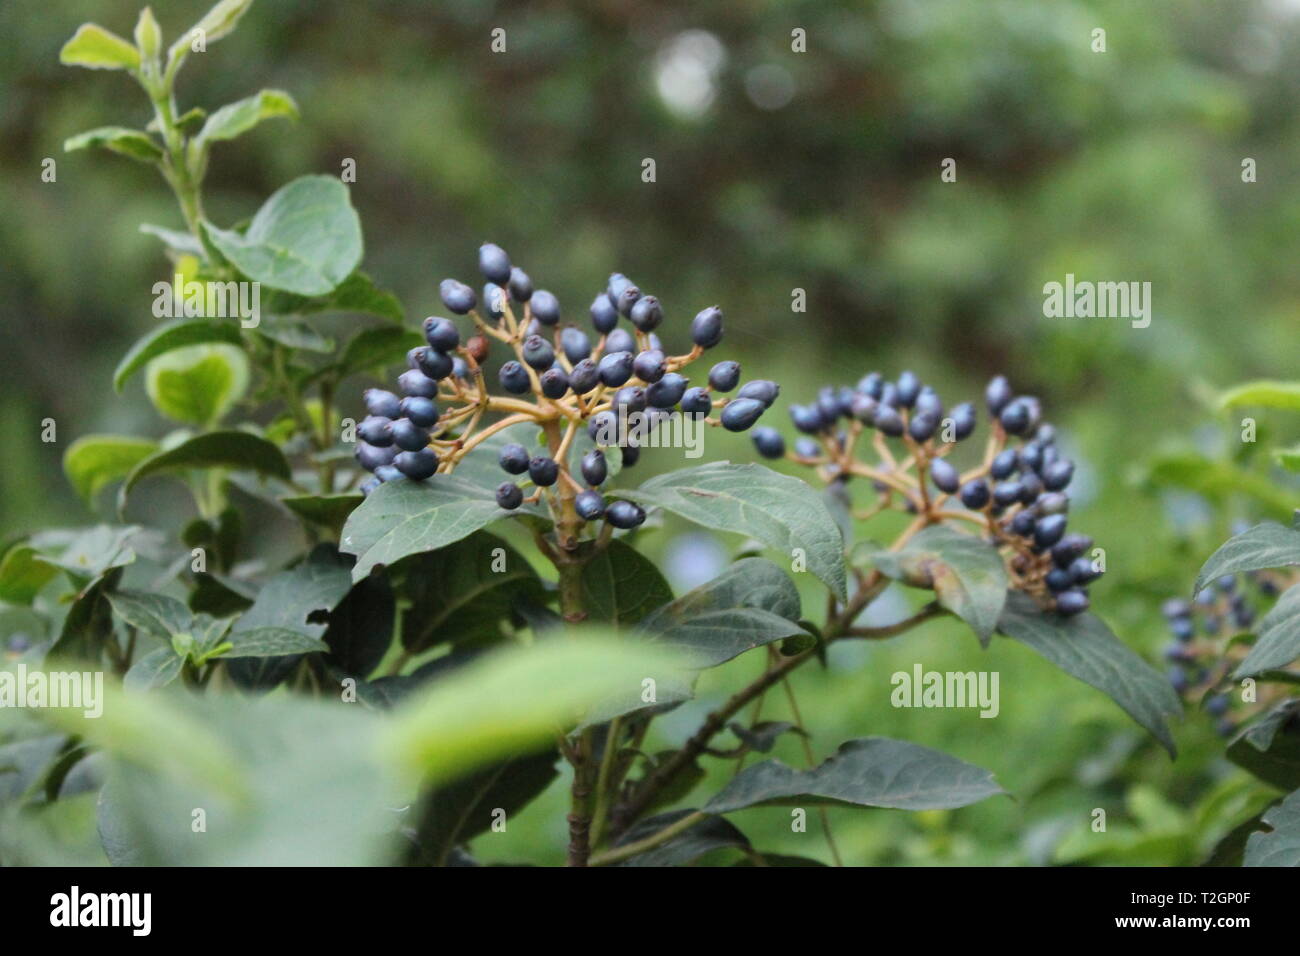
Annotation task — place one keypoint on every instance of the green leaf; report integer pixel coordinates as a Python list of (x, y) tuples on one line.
[(158, 668), (89, 624), (868, 772), (295, 333), (197, 384), (1280, 846), (216, 23), (271, 642), (1267, 545), (620, 586), (967, 574), (97, 49), (400, 518), (1084, 647), (1278, 637), (93, 461), (155, 614), (292, 597), (463, 808), (23, 572), (1283, 395), (1288, 458), (782, 512), (1269, 748), (462, 592), (232, 449), (170, 337), (375, 349), (1217, 480), (235, 119), (177, 241), (751, 604), (148, 36), (357, 293), (711, 833), (361, 627), (94, 551), (306, 238), (510, 701), (117, 139), (763, 735), (328, 511)]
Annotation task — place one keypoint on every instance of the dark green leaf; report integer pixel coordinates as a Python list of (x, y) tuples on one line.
[(1084, 647), (763, 735), (158, 668), (361, 627), (1278, 637), (782, 512), (1280, 846), (89, 624), (377, 348), (870, 772), (1267, 545), (621, 587), (155, 614), (1269, 748), (328, 511), (271, 642), (231, 448), (170, 336), (711, 833)]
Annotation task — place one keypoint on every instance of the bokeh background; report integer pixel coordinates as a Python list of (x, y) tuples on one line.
[(776, 171)]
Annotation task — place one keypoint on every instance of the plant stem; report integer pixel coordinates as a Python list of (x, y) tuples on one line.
[(580, 791), (603, 779), (812, 762), (621, 853)]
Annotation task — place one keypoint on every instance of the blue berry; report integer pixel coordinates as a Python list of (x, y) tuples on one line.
[(1023, 523), (927, 400), (724, 376), (922, 426), (513, 458), (615, 368), (376, 430), (509, 495), (545, 307), (997, 394), (594, 468), (944, 476), (457, 296), (590, 505), (544, 471), (382, 403), (1225, 728), (576, 344), (1177, 679), (909, 387), (650, 366), (806, 448), (1069, 548), (697, 401), (604, 317), (760, 389), (1182, 628), (538, 352), (1083, 571), (667, 392), (807, 418), (441, 334), (888, 421), (1059, 579), (624, 515), (1216, 705), (1007, 493), (514, 378), (622, 293), (603, 427), (1071, 602), (372, 457), (554, 382), (434, 364), (975, 493), (1053, 503), (646, 314), (409, 436), (630, 398), (416, 465), (1015, 417), (494, 263), (1031, 457), (521, 287), (1058, 474), (583, 377), (863, 408), (1003, 465), (1175, 607), (740, 413), (620, 340), (769, 442), (494, 300), (871, 385), (963, 421), (422, 411), (1031, 487), (706, 327), (1049, 531), (629, 455)]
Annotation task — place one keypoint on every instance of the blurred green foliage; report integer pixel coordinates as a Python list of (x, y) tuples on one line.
[(775, 171)]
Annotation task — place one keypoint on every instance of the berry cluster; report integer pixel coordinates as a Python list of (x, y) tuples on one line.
[(1202, 655), (573, 383), (1017, 493)]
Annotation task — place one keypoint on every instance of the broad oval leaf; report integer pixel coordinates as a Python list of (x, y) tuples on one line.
[(1283, 395), (117, 139), (271, 642), (1277, 641), (23, 572), (1267, 545), (234, 449), (197, 384), (967, 574), (409, 517), (620, 586), (868, 772), (158, 668), (1084, 647), (782, 512), (98, 49), (93, 461), (1281, 845), (306, 238), (170, 336), (235, 119), (156, 614)]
